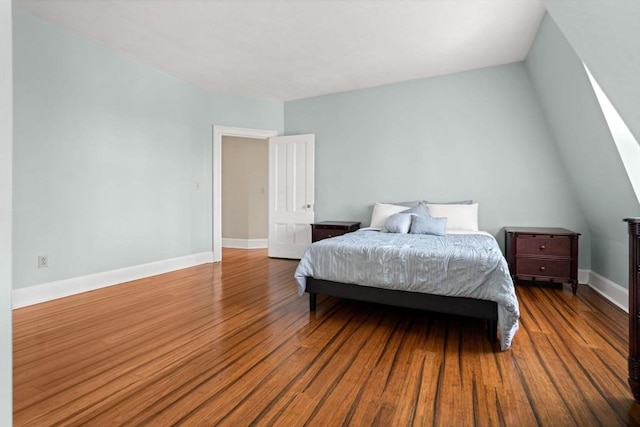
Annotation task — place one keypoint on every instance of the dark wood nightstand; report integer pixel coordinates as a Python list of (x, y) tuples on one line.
[(542, 254), (326, 229)]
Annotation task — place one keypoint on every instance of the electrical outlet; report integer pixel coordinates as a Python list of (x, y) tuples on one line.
[(43, 261)]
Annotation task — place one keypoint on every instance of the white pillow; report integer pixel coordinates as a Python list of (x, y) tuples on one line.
[(398, 223), (382, 212), (459, 217)]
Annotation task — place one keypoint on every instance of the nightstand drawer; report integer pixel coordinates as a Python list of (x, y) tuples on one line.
[(325, 233), (544, 245), (536, 267), (328, 229)]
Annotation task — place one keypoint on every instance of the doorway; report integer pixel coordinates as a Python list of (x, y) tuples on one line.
[(245, 179), (218, 133)]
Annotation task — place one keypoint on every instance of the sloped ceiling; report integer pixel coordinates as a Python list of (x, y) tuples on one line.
[(606, 37), (592, 162), (295, 49)]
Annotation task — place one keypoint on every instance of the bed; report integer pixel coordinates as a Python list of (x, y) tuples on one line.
[(460, 272)]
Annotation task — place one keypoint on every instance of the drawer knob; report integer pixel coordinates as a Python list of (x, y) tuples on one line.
[(543, 247), (542, 268)]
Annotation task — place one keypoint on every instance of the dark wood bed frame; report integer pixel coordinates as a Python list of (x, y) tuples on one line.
[(482, 309)]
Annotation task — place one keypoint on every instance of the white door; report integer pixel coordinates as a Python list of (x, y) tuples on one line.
[(291, 194)]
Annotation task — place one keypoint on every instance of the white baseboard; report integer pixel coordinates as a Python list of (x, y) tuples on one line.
[(23, 297), (615, 293), (245, 243), (583, 276)]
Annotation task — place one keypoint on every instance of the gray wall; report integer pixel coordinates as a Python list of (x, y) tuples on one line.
[(245, 178), (6, 161), (477, 135), (108, 151), (606, 36), (586, 147), (108, 154)]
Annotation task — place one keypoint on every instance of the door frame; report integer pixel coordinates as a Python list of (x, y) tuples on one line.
[(218, 133)]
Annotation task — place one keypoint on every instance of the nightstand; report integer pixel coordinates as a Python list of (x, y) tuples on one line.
[(326, 229), (542, 254)]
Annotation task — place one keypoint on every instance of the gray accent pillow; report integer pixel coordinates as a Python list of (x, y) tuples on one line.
[(420, 210), (407, 204), (429, 225), (398, 223), (461, 202)]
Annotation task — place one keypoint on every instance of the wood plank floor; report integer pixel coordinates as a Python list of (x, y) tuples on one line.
[(233, 344)]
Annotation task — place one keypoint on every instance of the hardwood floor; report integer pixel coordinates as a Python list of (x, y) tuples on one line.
[(233, 344)]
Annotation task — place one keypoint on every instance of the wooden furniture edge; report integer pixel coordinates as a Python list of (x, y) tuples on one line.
[(634, 306)]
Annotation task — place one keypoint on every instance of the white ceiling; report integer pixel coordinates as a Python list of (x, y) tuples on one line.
[(296, 49)]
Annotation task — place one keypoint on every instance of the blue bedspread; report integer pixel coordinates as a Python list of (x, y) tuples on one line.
[(459, 265)]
